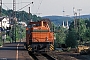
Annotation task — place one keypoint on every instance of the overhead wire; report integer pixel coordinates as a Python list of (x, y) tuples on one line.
[(29, 4), (6, 6), (39, 6), (10, 3), (25, 6)]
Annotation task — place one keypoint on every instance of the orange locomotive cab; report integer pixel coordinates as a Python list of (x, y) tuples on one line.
[(39, 36)]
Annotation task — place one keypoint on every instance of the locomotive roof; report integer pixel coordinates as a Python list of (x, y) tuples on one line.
[(37, 22)]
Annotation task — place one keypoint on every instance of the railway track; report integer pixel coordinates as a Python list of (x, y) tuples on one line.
[(48, 56), (41, 56)]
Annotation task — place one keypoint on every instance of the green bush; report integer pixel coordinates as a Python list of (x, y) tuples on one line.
[(0, 43), (8, 38)]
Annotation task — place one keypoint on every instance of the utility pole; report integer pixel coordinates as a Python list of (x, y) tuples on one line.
[(79, 25), (79, 12), (0, 16), (75, 18), (14, 20), (0, 7), (29, 14)]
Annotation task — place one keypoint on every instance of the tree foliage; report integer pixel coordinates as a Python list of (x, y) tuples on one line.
[(21, 15), (71, 40), (78, 33), (60, 35)]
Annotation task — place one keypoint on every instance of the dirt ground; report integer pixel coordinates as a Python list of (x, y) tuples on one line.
[(71, 56)]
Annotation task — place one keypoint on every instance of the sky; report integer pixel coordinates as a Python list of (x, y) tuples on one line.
[(51, 7)]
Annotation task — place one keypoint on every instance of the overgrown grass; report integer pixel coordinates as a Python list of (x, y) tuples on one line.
[(0, 42)]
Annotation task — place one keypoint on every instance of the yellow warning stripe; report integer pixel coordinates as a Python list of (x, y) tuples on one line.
[(29, 49), (51, 47)]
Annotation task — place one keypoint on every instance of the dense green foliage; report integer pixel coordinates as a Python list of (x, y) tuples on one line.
[(20, 32), (79, 33), (75, 35), (21, 15), (60, 35), (71, 40)]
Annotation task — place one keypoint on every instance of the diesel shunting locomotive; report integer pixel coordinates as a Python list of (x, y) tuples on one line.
[(39, 36)]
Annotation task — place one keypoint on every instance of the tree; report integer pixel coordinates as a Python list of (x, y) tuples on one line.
[(71, 40), (87, 35), (60, 35), (21, 15), (34, 18), (80, 29)]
